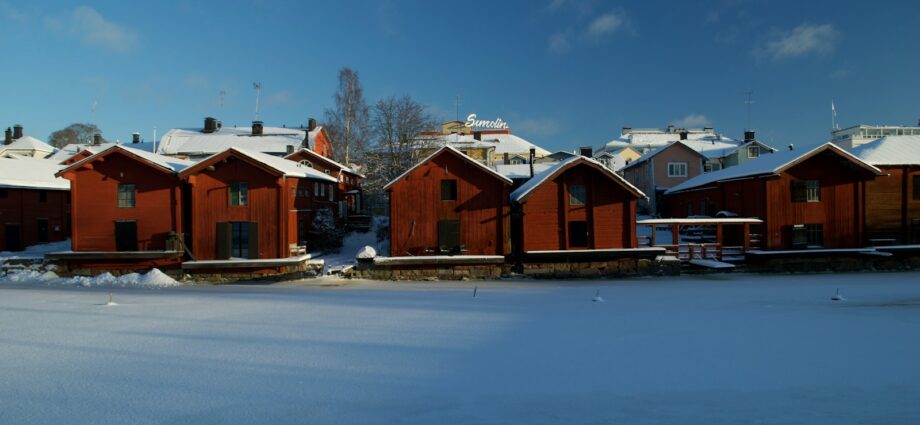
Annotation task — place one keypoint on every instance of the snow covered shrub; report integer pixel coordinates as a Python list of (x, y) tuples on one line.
[(326, 235), (382, 227)]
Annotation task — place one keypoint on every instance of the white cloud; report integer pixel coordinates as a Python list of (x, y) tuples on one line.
[(93, 29), (802, 40), (560, 42), (693, 121), (606, 24)]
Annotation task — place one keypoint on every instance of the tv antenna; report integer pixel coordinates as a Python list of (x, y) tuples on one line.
[(457, 102), (258, 86), (749, 103)]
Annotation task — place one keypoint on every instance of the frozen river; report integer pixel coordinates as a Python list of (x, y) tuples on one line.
[(699, 350)]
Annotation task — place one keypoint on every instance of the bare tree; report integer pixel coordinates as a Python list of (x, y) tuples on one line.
[(347, 121), (397, 124), (74, 133)]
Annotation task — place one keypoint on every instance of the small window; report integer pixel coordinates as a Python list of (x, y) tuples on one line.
[(127, 195), (448, 190), (806, 191), (808, 236), (753, 151), (239, 193), (677, 169), (42, 196), (331, 193), (577, 195), (916, 182), (711, 166), (517, 161), (306, 163)]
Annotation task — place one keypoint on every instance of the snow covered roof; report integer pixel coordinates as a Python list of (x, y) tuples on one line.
[(654, 138), (284, 166), (28, 143), (521, 193), (31, 173), (770, 164), (453, 150), (503, 143), (192, 141), (660, 149), (323, 158), (890, 150), (521, 171), (167, 163)]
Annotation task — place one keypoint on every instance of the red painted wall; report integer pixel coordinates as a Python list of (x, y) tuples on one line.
[(22, 208), (95, 203), (482, 207)]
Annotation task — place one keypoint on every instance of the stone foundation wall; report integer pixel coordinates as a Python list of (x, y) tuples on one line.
[(440, 272), (852, 263), (300, 271), (621, 267)]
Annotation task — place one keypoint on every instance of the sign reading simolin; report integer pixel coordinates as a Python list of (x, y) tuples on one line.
[(471, 122)]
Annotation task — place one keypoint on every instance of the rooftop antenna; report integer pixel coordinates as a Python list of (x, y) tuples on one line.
[(748, 103), (833, 116), (222, 95), (154, 139), (457, 102), (258, 87)]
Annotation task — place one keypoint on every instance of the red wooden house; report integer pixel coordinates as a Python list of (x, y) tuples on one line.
[(449, 203), (806, 199), (127, 210), (250, 205), (34, 203), (578, 204), (893, 207), (347, 194)]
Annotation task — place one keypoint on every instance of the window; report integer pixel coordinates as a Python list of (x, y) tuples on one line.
[(916, 182), (239, 193), (4, 194), (753, 151), (702, 207), (711, 166), (239, 242), (517, 161), (449, 235), (307, 163), (126, 195), (577, 195), (331, 193), (42, 196), (448, 190), (806, 191), (677, 169), (807, 235)]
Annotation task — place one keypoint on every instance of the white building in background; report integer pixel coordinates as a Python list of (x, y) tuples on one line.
[(645, 140), (857, 135)]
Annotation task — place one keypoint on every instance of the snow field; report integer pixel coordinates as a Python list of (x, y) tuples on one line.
[(697, 350)]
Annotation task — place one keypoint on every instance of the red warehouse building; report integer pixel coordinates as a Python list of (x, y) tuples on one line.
[(449, 203), (250, 205), (806, 199), (127, 210), (577, 204), (347, 194), (34, 203), (893, 207)]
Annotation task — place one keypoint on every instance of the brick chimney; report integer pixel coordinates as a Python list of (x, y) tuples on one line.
[(17, 131), (748, 135), (210, 125), (533, 152), (97, 139), (135, 137), (257, 128), (683, 134), (311, 124), (9, 136), (586, 151)]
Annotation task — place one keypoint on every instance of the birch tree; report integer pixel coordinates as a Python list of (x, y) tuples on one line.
[(397, 124), (347, 121)]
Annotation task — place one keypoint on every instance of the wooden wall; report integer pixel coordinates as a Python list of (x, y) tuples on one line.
[(610, 211), (268, 194), (21, 207), (891, 207), (482, 207), (95, 203)]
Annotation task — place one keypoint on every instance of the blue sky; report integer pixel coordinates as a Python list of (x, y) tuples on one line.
[(563, 73)]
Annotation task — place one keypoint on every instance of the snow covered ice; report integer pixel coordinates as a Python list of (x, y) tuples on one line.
[(696, 349)]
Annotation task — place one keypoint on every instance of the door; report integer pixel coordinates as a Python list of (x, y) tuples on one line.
[(237, 239), (449, 235), (12, 238), (578, 234), (41, 233), (126, 236)]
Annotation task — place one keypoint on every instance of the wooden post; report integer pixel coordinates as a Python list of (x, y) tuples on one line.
[(747, 236), (675, 240), (654, 237)]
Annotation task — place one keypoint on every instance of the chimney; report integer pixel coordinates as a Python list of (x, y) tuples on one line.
[(17, 131), (290, 149), (586, 151), (625, 130), (9, 136), (683, 134), (220, 124), (670, 128), (533, 152), (210, 125), (135, 137), (257, 128), (791, 146), (97, 139), (748, 135), (505, 157), (311, 124)]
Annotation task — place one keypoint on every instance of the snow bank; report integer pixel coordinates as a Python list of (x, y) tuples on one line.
[(152, 279), (37, 251)]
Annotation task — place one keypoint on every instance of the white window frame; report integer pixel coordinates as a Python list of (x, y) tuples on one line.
[(677, 166), (755, 149)]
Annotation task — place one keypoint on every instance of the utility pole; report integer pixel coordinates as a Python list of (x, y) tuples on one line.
[(457, 102)]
